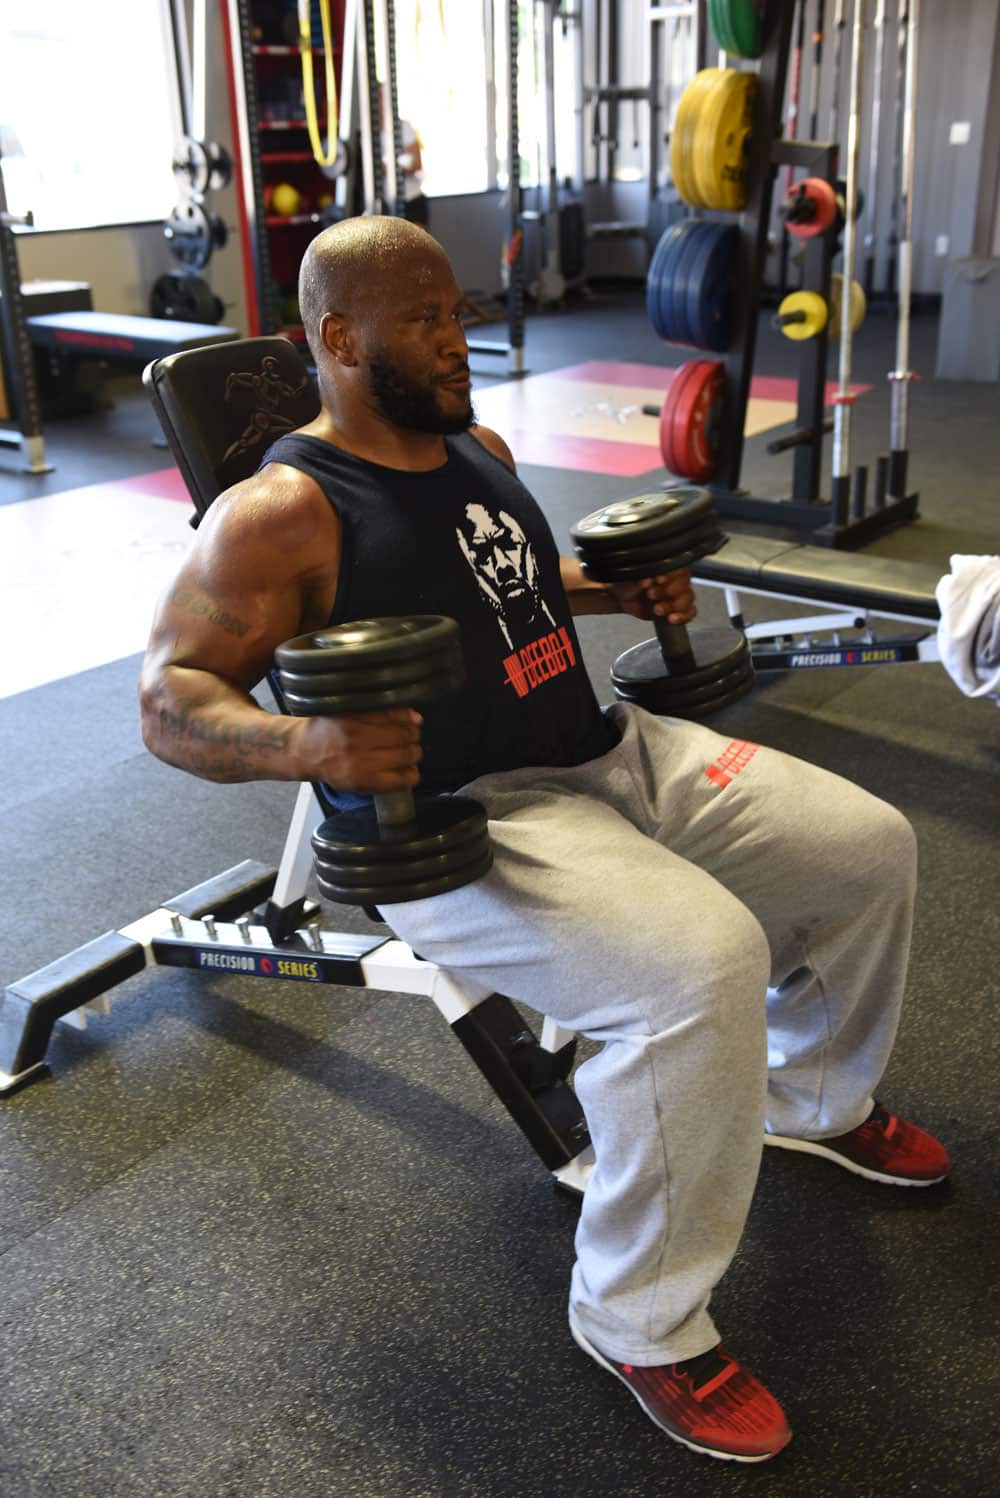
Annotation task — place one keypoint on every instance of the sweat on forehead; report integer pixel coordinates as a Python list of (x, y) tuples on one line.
[(361, 262)]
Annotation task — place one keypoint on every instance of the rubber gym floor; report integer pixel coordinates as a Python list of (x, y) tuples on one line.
[(260, 1239)]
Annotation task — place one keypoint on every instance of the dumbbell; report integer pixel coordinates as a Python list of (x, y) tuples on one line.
[(679, 673), (402, 847)]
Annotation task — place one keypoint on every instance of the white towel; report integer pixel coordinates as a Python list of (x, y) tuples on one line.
[(969, 632)]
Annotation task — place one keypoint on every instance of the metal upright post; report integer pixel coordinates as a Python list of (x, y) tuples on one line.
[(515, 287), (839, 26), (575, 19), (371, 143), (816, 70), (844, 400), (902, 374), (512, 349), (395, 180), (552, 283), (702, 29), (792, 128), (902, 36), (16, 356), (245, 115), (871, 238), (656, 32), (348, 112)]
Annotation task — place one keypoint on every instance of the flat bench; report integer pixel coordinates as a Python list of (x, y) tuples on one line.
[(68, 344), (812, 574), (117, 337)]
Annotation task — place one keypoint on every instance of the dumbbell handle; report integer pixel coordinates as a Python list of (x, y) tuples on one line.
[(394, 809), (785, 319), (675, 643)]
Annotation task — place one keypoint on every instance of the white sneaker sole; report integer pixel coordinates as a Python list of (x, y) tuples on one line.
[(817, 1147), (722, 1456)]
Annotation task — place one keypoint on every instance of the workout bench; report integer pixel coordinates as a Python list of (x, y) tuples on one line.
[(220, 408), (856, 590)]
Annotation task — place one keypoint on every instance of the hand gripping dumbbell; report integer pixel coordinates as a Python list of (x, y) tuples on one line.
[(403, 847), (680, 674)]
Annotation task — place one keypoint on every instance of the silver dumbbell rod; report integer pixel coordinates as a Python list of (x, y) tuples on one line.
[(902, 374), (842, 415)]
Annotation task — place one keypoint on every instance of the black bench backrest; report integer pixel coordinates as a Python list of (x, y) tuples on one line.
[(223, 405)]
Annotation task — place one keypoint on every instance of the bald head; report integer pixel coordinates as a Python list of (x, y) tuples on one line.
[(360, 267)]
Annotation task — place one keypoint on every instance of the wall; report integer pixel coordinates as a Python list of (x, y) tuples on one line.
[(957, 51)]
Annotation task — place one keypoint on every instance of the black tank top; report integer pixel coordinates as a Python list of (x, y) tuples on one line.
[(466, 540)]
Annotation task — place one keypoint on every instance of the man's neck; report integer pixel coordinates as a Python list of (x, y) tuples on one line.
[(378, 441)]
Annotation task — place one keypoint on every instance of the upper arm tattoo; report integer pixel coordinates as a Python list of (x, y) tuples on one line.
[(192, 602)]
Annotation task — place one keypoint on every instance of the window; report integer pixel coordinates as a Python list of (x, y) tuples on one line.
[(452, 68), (441, 68), (88, 114)]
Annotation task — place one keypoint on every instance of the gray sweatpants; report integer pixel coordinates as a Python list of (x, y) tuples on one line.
[(734, 926)]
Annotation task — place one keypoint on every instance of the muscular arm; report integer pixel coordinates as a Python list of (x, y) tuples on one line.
[(263, 569)]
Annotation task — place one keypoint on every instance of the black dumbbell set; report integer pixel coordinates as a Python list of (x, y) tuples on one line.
[(681, 674), (403, 847)]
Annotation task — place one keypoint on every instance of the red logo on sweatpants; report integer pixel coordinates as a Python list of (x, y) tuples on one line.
[(735, 757)]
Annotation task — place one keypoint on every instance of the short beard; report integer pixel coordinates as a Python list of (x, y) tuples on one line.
[(413, 407)]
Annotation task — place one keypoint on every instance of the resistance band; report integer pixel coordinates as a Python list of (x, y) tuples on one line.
[(329, 156)]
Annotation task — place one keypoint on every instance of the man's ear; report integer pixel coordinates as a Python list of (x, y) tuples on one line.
[(339, 338)]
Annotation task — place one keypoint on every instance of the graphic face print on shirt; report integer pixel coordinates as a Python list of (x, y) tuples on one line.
[(506, 570), (504, 565)]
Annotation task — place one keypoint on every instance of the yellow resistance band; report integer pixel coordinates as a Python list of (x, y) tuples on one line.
[(329, 156)]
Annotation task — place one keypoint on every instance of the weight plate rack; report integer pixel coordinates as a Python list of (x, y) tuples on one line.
[(806, 510)]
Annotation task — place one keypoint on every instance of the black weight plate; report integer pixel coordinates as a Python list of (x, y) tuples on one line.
[(325, 683), (399, 894), (621, 573), (699, 707), (640, 539), (367, 642), (441, 823), (645, 516), (662, 548), (657, 692), (410, 871), (718, 651), (411, 694)]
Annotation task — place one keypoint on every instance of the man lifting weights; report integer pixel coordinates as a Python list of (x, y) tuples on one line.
[(737, 941)]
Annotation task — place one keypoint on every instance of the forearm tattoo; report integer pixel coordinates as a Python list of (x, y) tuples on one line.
[(240, 739)]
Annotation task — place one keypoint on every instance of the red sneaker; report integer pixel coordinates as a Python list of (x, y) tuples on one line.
[(883, 1148), (708, 1403)]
